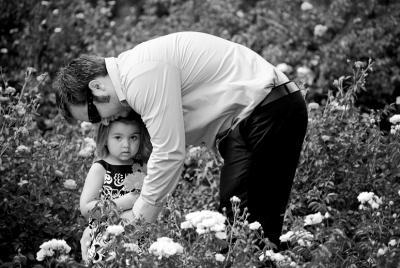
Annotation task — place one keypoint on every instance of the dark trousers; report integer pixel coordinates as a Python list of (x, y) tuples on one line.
[(260, 159)]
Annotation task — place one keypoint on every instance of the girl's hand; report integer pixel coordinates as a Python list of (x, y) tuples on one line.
[(85, 243)]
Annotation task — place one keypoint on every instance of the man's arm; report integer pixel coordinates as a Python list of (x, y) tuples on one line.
[(126, 201), (155, 93)]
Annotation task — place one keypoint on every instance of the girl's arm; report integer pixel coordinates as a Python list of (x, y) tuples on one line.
[(91, 190), (126, 201)]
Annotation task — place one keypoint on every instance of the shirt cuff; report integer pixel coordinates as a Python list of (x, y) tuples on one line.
[(143, 209)]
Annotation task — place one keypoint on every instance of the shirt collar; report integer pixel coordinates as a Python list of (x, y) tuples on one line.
[(113, 73)]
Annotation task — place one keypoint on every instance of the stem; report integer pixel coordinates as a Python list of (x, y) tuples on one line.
[(231, 234)]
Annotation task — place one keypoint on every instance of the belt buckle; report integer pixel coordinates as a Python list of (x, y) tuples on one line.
[(291, 87)]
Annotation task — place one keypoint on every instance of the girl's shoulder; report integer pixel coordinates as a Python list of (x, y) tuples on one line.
[(103, 163)]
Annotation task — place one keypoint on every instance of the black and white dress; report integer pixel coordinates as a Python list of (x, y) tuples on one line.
[(114, 186)]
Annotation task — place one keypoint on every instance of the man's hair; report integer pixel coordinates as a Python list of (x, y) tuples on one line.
[(133, 118), (72, 81)]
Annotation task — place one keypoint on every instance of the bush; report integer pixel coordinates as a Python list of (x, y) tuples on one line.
[(344, 208)]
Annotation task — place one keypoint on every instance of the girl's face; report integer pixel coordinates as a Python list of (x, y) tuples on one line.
[(123, 142)]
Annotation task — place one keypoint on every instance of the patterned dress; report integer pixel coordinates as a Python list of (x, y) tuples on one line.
[(115, 185)]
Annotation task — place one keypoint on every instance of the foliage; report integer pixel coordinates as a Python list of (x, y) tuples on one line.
[(282, 32), (34, 166), (344, 154), (46, 34)]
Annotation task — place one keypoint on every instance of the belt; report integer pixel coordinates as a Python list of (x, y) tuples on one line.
[(279, 92), (276, 93)]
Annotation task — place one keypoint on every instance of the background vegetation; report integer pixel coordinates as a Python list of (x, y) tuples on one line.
[(345, 153)]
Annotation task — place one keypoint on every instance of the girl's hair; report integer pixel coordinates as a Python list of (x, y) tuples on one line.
[(133, 118)]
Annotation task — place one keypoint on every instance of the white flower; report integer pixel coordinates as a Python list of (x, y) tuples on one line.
[(359, 64), (365, 197), (20, 110), (22, 149), (80, 16), (57, 30), (47, 249), (313, 219), (304, 234), (219, 257), (45, 3), (306, 6), (115, 229), (221, 235), (327, 215), (10, 90), (89, 145), (235, 199), (325, 137), (186, 225), (304, 243), (313, 106), (194, 151), (306, 74), (391, 203), (286, 237), (395, 119), (320, 30), (276, 257), (165, 247), (58, 173), (86, 126), (70, 184), (392, 242), (394, 129), (104, 10), (285, 68), (381, 251), (369, 197), (205, 221), (132, 247), (22, 182), (4, 50), (240, 14), (56, 12), (254, 225)]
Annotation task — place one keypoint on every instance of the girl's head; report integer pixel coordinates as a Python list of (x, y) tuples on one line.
[(125, 138)]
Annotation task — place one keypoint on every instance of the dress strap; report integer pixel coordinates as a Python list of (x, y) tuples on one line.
[(103, 163)]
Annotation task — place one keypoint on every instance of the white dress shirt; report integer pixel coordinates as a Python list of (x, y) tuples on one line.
[(188, 87)]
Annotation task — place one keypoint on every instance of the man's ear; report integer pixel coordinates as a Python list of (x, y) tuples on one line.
[(95, 85)]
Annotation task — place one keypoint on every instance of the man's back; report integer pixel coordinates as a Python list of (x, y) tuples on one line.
[(220, 80)]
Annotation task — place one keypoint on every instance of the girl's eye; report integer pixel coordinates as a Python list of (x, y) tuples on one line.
[(134, 138), (117, 138)]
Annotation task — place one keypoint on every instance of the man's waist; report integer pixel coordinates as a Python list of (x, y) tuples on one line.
[(279, 92)]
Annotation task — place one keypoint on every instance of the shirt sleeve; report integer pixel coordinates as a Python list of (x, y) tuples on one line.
[(154, 91)]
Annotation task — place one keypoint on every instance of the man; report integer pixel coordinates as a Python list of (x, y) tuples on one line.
[(190, 89)]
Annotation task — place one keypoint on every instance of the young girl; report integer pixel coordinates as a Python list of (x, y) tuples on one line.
[(123, 148)]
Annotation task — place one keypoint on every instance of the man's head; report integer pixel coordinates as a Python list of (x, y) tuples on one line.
[(85, 91)]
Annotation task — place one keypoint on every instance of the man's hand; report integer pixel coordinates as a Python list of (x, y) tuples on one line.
[(128, 215)]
